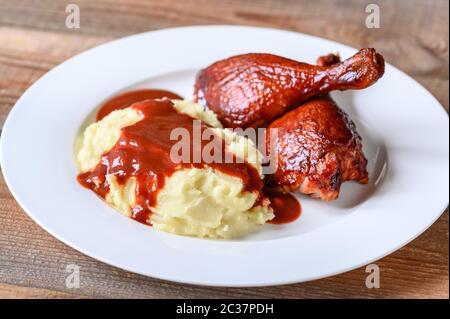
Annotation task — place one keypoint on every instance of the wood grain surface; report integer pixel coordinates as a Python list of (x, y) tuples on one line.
[(33, 39)]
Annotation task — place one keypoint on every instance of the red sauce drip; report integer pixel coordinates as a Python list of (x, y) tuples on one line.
[(285, 206), (143, 152), (126, 99)]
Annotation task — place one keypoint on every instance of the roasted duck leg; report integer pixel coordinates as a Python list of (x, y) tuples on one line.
[(318, 148), (250, 90)]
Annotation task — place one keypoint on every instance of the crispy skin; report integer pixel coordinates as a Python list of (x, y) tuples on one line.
[(318, 148), (250, 90), (328, 60)]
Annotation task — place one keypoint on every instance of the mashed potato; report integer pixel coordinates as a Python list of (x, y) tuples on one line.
[(199, 202)]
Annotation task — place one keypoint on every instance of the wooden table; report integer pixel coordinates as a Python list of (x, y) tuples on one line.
[(33, 39)]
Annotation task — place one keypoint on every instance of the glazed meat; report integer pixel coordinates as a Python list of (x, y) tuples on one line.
[(250, 90), (317, 149), (328, 60)]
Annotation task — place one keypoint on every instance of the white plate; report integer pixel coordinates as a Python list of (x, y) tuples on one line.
[(405, 133)]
